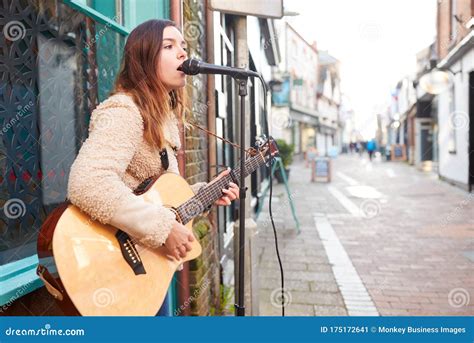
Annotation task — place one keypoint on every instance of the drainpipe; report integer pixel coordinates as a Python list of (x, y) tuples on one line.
[(176, 12), (211, 143), (211, 106), (250, 262), (183, 276)]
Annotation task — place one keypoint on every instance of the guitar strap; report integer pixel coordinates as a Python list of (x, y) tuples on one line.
[(165, 162), (164, 159), (249, 151), (164, 153)]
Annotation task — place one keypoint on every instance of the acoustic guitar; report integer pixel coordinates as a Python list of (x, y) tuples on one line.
[(97, 270)]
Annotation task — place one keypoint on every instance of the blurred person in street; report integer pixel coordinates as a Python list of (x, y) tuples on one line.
[(371, 147), (311, 154), (360, 148)]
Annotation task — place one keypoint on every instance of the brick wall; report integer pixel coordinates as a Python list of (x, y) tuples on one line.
[(204, 272), (204, 277), (447, 37), (196, 150)]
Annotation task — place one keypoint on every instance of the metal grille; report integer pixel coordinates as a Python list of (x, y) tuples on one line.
[(51, 78)]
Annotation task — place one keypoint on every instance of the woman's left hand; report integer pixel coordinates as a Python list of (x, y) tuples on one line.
[(230, 194)]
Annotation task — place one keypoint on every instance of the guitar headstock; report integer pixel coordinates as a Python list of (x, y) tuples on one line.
[(267, 147)]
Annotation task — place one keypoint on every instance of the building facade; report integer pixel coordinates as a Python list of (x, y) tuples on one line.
[(328, 139), (455, 46), (294, 111)]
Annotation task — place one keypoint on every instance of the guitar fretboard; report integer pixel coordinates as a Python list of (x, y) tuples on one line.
[(211, 192)]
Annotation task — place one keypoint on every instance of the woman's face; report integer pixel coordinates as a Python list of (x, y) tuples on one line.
[(173, 54)]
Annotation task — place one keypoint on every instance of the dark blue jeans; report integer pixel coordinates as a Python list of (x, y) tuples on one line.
[(163, 312)]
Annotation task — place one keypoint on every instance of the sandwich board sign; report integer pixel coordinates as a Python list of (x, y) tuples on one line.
[(321, 169)]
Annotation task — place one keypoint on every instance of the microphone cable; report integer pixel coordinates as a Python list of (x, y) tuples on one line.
[(265, 91), (193, 67)]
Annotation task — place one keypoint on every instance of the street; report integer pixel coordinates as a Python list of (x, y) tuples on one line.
[(382, 238)]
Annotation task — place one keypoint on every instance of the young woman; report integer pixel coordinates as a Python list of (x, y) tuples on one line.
[(126, 135)]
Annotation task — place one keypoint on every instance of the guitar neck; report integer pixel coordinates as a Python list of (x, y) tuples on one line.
[(211, 192)]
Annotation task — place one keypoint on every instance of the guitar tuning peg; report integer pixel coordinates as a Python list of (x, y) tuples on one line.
[(260, 140)]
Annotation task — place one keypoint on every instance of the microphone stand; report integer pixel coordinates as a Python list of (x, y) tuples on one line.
[(193, 67), (240, 305)]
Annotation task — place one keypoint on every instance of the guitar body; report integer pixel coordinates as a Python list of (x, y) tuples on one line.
[(96, 270), (91, 265)]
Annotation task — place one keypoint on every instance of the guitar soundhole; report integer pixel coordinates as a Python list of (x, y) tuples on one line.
[(129, 253)]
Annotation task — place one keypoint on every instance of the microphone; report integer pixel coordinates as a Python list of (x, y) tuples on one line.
[(192, 67)]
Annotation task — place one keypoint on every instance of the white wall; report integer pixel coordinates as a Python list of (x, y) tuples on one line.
[(329, 111), (456, 166), (407, 95), (321, 144), (302, 64), (256, 49)]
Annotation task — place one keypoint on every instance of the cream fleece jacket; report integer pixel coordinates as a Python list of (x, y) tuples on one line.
[(113, 161)]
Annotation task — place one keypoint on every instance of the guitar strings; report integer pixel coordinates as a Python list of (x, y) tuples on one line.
[(215, 189)]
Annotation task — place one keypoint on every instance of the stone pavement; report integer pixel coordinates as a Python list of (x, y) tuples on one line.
[(381, 239), (309, 280)]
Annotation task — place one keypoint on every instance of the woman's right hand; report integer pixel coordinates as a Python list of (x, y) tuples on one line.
[(179, 241)]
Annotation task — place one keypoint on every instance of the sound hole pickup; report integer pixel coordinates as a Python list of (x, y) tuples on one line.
[(129, 253)]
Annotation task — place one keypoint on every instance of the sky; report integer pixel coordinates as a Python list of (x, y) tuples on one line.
[(375, 40)]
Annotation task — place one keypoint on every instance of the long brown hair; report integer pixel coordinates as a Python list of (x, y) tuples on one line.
[(138, 77)]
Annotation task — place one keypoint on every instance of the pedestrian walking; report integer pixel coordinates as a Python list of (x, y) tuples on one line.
[(371, 147)]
